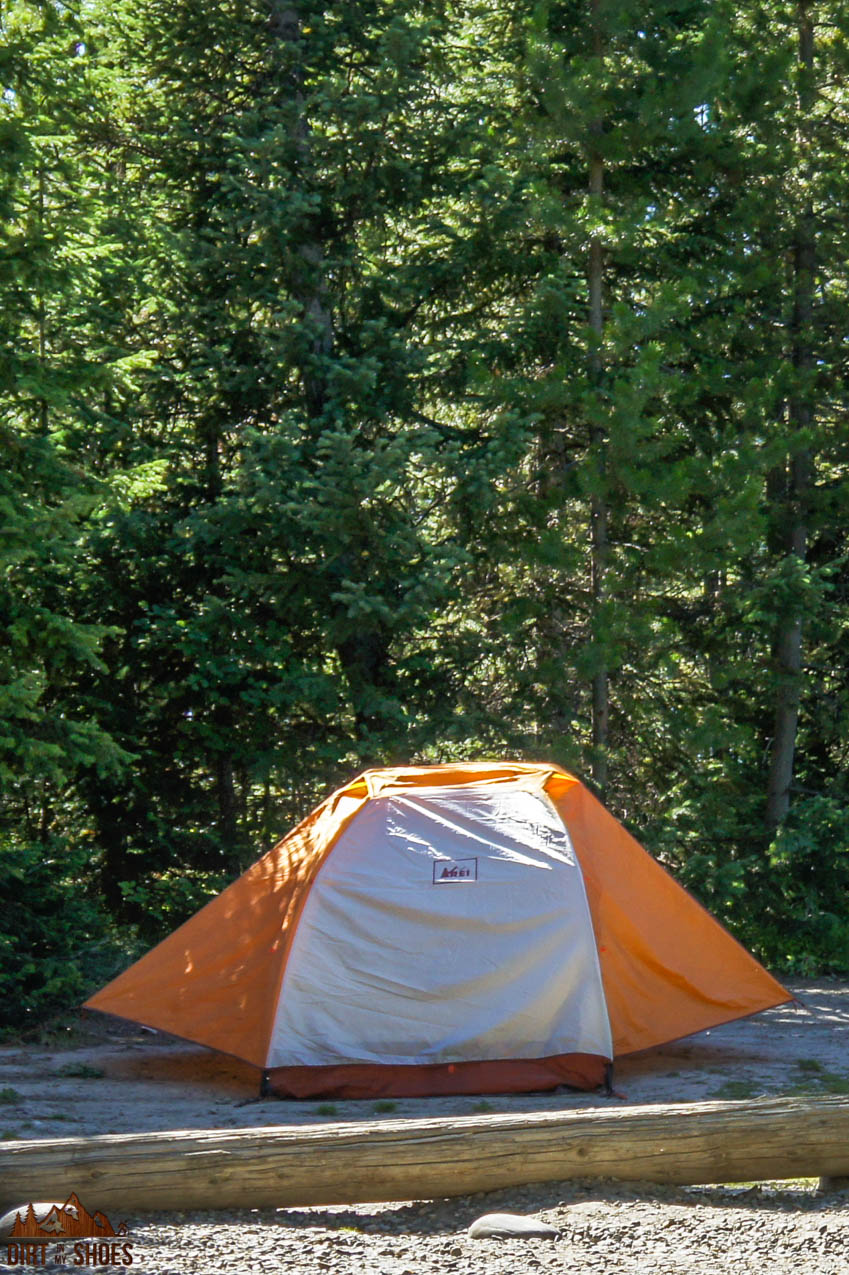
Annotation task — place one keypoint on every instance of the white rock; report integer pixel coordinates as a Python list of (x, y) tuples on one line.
[(40, 1208), (505, 1226)]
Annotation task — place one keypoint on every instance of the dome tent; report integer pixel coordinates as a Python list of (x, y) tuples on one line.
[(473, 928)]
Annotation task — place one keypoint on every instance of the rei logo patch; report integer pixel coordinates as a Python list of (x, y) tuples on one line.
[(445, 870)]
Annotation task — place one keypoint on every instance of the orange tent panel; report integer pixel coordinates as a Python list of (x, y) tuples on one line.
[(669, 968)]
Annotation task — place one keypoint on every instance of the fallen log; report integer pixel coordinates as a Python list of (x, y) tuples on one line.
[(426, 1159)]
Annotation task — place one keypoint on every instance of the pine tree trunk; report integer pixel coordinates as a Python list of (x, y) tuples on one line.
[(599, 541), (42, 320), (311, 291), (792, 512), (225, 789), (363, 655)]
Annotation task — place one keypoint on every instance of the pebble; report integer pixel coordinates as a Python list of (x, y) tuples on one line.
[(504, 1226)]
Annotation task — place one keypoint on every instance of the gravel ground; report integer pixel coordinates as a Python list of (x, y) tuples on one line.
[(605, 1227)]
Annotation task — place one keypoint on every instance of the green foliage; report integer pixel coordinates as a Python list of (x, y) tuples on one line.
[(166, 899), (44, 735), (737, 1090), (56, 940), (785, 903), (805, 928), (80, 1071), (816, 1080), (829, 1082)]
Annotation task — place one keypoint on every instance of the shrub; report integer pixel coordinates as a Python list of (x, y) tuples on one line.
[(56, 941)]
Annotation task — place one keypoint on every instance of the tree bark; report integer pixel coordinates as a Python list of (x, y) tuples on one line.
[(772, 1138), (599, 534), (42, 314), (791, 513), (311, 290), (364, 654), (364, 657), (225, 789)]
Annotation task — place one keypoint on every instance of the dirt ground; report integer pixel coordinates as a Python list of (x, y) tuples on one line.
[(113, 1077), (109, 1077)]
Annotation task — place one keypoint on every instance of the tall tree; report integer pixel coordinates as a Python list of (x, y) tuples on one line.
[(593, 220), (790, 486), (599, 514), (51, 223), (273, 591), (56, 361)]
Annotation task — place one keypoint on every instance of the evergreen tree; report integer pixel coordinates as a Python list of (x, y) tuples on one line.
[(586, 334), (50, 250), (274, 592), (53, 360)]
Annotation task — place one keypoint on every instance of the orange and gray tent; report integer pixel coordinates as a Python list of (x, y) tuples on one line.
[(473, 928)]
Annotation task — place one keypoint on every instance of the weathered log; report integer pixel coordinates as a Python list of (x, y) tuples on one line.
[(425, 1159)]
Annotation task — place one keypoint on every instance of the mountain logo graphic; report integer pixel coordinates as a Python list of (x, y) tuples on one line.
[(63, 1221)]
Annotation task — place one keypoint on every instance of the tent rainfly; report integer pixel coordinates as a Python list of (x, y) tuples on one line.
[(474, 928)]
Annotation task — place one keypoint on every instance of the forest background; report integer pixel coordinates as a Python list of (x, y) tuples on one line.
[(396, 381)]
